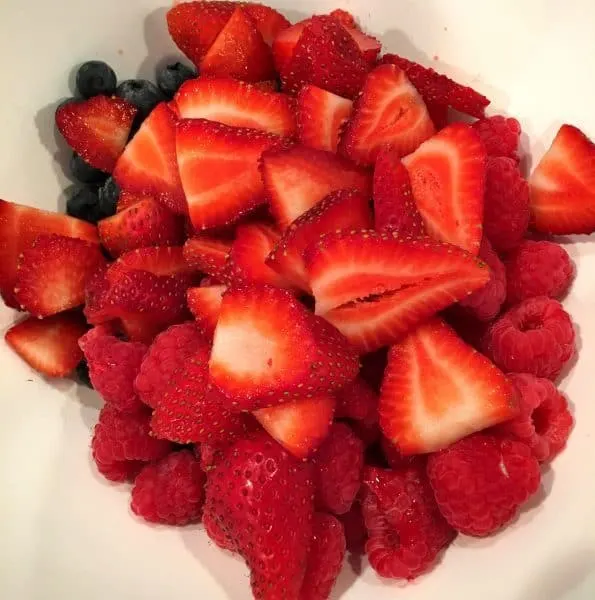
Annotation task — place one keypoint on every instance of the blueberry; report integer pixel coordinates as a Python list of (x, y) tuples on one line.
[(83, 204), (84, 172), (171, 77), (142, 93), (109, 194), (94, 78), (82, 372)]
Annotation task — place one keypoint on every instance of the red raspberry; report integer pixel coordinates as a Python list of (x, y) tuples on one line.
[(170, 491), (544, 422), (396, 460), (406, 530), (538, 269), (119, 471), (216, 533), (536, 336), (354, 526), (357, 401), (506, 212), (500, 135), (481, 482)]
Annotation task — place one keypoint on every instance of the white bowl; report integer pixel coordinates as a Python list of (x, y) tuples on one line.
[(64, 532)]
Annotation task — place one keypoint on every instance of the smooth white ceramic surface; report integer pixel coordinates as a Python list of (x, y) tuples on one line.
[(65, 533)]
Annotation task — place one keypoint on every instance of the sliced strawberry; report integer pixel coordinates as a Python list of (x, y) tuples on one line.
[(299, 426), (97, 129), (320, 117), (394, 206), (53, 273), (448, 179), (285, 43), (345, 18), (562, 187), (297, 178), (237, 104), (269, 22), (344, 209), (271, 85), (207, 254), (50, 345), (438, 390), (148, 166), (268, 349), (146, 223), (369, 46), (126, 199), (159, 260), (205, 304)]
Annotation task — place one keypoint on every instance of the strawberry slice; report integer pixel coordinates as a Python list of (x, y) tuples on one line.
[(268, 349), (438, 390), (562, 187), (448, 179), (208, 255), (284, 45), (149, 166), (269, 22), (344, 209), (159, 260), (394, 206), (239, 51), (50, 346), (126, 199), (321, 117), (389, 112), (297, 178), (299, 426), (369, 45), (53, 273), (237, 104), (345, 18), (205, 305)]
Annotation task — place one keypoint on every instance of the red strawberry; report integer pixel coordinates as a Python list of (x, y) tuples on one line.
[(159, 260), (97, 129), (207, 254), (459, 393), (268, 348), (562, 187), (344, 209), (148, 166), (127, 199), (205, 304), (357, 401), (237, 104), (321, 116), (389, 112), (50, 345), (219, 170), (297, 178), (284, 45), (345, 18), (271, 85), (369, 46), (448, 179), (269, 22)]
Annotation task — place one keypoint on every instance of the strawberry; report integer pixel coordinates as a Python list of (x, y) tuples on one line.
[(269, 22), (344, 209), (19, 227), (369, 46), (271, 85), (448, 179), (219, 170), (97, 129), (460, 392), (146, 223), (237, 104), (321, 116), (345, 18), (207, 254), (159, 260), (53, 272), (284, 45), (389, 112), (394, 206), (297, 178), (357, 401), (126, 199), (239, 51), (205, 304), (562, 187), (148, 165), (268, 348), (50, 345)]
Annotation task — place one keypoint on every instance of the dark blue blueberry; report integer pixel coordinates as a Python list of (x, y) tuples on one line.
[(84, 172), (142, 93), (82, 372), (109, 193), (171, 77), (94, 78), (83, 204)]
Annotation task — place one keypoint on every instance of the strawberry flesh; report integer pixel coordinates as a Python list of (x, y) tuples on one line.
[(205, 305), (208, 255)]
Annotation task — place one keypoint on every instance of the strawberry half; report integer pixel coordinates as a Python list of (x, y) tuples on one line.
[(159, 260), (97, 129), (205, 305), (562, 187), (208, 255), (448, 180), (438, 390)]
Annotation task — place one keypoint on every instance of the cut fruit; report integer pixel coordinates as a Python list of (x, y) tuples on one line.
[(159, 260), (284, 45), (208, 255), (269, 22), (205, 305)]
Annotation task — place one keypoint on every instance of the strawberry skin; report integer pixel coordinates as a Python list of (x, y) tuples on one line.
[(438, 390), (208, 255), (284, 45), (269, 22), (205, 305), (159, 260)]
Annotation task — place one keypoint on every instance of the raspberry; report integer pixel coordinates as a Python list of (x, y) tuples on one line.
[(481, 482), (536, 336), (356, 401), (119, 471), (170, 491), (538, 269), (395, 459), (506, 212), (544, 422), (355, 528), (406, 530), (500, 135)]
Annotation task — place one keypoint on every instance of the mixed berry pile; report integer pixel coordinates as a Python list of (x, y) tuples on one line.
[(322, 307)]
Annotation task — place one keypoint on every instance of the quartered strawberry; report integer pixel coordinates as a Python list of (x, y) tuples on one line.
[(207, 254), (237, 104), (148, 165), (438, 390), (284, 45), (389, 112), (97, 129), (269, 22), (219, 170), (53, 273), (297, 178), (159, 260), (448, 180), (126, 199), (345, 18), (562, 187), (50, 345), (344, 209), (269, 349), (205, 305), (369, 46), (321, 116)]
